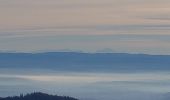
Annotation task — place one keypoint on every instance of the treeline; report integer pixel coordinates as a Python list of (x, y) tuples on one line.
[(38, 96)]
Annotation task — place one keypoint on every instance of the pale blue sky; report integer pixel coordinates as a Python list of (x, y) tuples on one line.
[(132, 26)]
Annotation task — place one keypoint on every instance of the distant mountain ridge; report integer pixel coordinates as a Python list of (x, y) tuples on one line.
[(38, 96), (74, 61)]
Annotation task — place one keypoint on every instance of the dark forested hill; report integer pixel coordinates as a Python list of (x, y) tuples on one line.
[(38, 96), (71, 61)]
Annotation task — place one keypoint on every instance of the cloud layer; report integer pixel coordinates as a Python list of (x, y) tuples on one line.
[(59, 25)]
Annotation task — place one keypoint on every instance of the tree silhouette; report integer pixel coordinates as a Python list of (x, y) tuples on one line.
[(38, 96)]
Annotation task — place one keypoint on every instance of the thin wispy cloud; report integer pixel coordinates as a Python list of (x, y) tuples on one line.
[(45, 22)]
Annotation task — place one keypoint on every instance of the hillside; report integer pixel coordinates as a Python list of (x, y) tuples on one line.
[(38, 96)]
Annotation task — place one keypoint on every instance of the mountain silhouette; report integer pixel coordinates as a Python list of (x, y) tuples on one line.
[(72, 61), (38, 96)]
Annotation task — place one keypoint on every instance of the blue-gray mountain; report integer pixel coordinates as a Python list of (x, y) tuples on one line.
[(73, 61)]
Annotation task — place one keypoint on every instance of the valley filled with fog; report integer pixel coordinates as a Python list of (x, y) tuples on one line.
[(88, 82)]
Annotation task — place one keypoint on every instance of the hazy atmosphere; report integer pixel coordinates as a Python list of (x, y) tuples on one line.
[(88, 49), (131, 26)]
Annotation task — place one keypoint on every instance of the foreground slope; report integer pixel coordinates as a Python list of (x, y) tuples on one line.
[(38, 96)]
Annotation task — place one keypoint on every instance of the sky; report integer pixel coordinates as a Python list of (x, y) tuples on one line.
[(119, 26), (130, 26)]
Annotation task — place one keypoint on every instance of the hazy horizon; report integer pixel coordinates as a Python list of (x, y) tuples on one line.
[(87, 76), (90, 49)]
